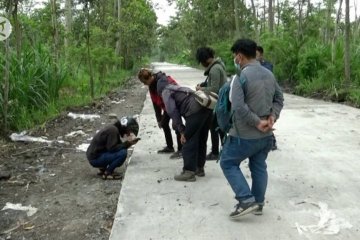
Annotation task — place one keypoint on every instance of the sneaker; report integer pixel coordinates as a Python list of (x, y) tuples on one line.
[(166, 150), (186, 176), (176, 155), (242, 209), (212, 156), (259, 211), (200, 172)]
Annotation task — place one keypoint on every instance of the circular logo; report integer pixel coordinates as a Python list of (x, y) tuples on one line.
[(5, 28)]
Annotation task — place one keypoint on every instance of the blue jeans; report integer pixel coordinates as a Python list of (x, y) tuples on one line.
[(110, 160), (236, 150)]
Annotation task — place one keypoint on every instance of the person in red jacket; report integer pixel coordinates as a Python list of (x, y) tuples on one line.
[(147, 77)]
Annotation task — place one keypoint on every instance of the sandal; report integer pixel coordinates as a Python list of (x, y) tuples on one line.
[(101, 171), (112, 176)]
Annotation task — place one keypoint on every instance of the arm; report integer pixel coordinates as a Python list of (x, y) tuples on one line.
[(172, 110), (242, 111), (214, 80), (158, 112), (278, 102)]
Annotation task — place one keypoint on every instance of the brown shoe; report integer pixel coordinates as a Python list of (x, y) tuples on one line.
[(186, 176), (200, 172)]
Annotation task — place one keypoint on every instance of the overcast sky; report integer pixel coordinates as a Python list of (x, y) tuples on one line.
[(164, 11)]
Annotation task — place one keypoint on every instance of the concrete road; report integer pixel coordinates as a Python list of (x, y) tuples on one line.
[(313, 190)]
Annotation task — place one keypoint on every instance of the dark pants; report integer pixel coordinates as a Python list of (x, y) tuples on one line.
[(215, 134), (196, 134), (168, 135), (110, 160)]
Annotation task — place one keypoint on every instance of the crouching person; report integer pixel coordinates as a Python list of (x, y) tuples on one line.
[(108, 148), (179, 102)]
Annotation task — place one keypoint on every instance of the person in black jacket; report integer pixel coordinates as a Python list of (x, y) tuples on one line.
[(108, 148)]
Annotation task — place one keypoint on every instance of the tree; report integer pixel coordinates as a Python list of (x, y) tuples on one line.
[(271, 17), (6, 75), (347, 44), (68, 25)]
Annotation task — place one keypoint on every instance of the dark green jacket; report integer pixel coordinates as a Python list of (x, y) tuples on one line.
[(216, 76)]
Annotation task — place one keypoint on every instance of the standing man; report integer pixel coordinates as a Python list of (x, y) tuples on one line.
[(256, 102), (268, 65), (150, 79), (216, 77), (260, 58)]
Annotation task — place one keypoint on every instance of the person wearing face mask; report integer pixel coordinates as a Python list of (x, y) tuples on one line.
[(256, 102), (216, 77), (108, 148)]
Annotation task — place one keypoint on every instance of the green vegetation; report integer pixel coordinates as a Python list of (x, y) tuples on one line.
[(305, 42), (65, 55)]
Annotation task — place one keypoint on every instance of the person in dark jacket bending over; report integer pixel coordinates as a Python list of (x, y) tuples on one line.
[(179, 102), (108, 148), (147, 77), (216, 77), (256, 102)]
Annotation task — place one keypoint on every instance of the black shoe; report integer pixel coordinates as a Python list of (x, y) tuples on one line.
[(166, 150), (176, 155), (212, 156), (200, 172), (259, 211), (242, 209)]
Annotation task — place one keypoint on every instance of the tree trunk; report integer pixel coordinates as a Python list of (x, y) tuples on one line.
[(55, 35), (236, 16), (68, 26), (17, 29), (257, 35), (278, 14), (118, 34), (92, 87), (330, 5), (347, 45), (271, 17), (7, 77), (336, 32), (300, 3)]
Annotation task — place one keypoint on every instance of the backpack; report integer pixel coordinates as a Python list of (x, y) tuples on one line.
[(222, 109), (204, 98)]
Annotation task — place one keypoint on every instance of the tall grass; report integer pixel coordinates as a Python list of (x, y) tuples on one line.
[(34, 83), (39, 90)]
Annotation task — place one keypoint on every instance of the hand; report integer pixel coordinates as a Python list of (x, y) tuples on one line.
[(271, 120), (263, 126), (131, 142), (182, 139)]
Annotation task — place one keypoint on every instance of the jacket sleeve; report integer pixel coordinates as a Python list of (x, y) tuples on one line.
[(241, 110), (278, 101), (214, 80), (158, 112), (172, 110)]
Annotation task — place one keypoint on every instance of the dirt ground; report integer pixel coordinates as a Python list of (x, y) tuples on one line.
[(72, 201)]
